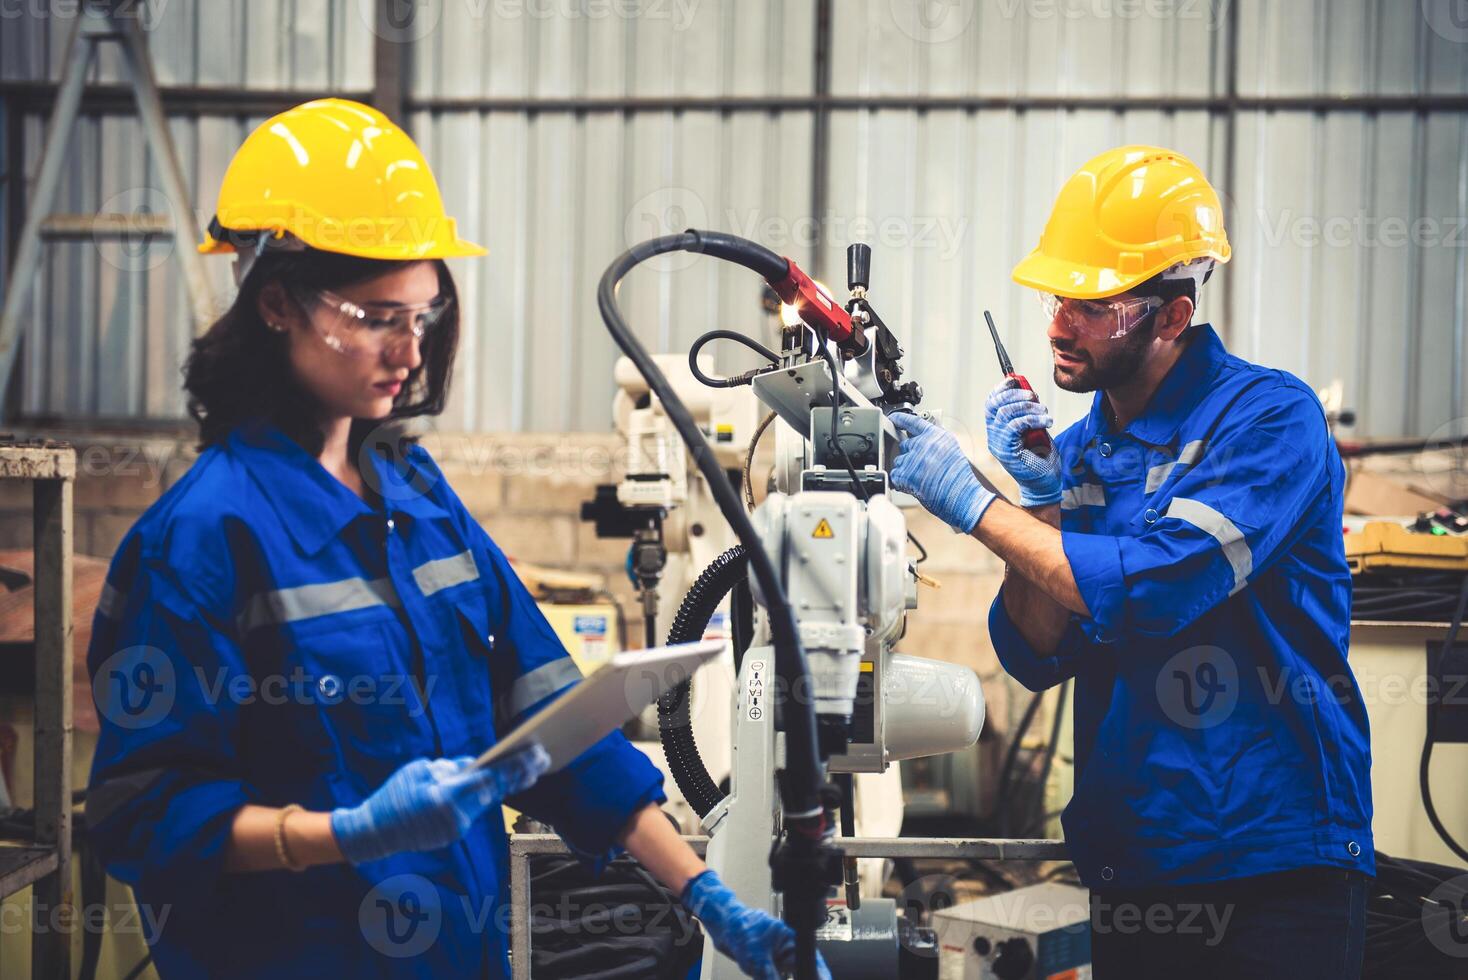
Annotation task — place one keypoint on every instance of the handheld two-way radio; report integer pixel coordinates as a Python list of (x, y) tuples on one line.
[(1036, 441)]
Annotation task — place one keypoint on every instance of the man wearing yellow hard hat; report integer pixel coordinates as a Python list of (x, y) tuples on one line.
[(1178, 553), (305, 643)]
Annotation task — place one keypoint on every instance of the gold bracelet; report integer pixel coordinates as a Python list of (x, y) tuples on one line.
[(281, 850)]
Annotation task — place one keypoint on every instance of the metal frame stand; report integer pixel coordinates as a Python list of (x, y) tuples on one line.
[(45, 860), (98, 21), (522, 846), (742, 824)]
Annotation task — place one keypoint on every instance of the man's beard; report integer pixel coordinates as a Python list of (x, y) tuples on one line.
[(1116, 366)]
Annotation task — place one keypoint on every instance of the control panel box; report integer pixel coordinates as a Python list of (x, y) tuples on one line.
[(1042, 932)]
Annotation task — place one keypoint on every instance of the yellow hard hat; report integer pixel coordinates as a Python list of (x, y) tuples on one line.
[(338, 176), (1126, 216)]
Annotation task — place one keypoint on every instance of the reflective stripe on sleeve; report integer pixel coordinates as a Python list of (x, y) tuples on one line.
[(111, 602), (538, 684), (322, 599), (1157, 475), (1223, 530), (118, 792), (1085, 495), (441, 573)]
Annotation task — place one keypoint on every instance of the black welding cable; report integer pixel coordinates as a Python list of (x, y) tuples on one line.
[(556, 868), (581, 920), (1040, 815), (1424, 780), (922, 552), (801, 780), (835, 438), (590, 959), (738, 338), (802, 777), (141, 965), (1006, 771), (1409, 934), (1415, 594)]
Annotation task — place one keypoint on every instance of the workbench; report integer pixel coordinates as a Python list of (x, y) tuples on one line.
[(43, 861)]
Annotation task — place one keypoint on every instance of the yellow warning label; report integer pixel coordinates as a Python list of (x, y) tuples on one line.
[(823, 530)]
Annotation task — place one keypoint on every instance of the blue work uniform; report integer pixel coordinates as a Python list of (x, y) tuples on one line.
[(1219, 732), (266, 636)]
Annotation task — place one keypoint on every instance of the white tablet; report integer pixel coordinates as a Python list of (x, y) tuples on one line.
[(618, 689)]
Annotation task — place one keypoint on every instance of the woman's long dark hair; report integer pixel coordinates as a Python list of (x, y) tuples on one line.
[(239, 371)]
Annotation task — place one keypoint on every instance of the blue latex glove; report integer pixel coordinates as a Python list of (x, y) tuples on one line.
[(762, 945), (427, 804), (1009, 413), (931, 466)]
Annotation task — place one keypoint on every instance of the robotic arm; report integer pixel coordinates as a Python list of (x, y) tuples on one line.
[(820, 686)]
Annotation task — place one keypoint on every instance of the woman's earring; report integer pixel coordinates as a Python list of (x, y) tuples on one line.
[(277, 327)]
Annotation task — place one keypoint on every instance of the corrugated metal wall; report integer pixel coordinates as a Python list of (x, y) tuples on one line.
[(113, 320), (557, 195), (1348, 223)]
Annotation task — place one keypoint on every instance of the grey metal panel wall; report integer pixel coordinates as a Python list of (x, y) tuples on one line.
[(1351, 244), (555, 197), (1028, 47), (115, 319), (1350, 252), (1350, 227), (569, 49), (114, 324), (247, 44), (1349, 47)]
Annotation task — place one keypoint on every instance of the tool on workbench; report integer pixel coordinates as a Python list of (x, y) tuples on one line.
[(1036, 441)]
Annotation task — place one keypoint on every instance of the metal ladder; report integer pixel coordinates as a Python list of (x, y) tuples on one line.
[(98, 21)]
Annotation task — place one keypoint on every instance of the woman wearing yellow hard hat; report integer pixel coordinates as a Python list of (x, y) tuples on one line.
[(1176, 554), (304, 644)]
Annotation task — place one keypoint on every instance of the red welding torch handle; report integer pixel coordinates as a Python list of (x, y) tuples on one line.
[(1036, 441), (816, 308)]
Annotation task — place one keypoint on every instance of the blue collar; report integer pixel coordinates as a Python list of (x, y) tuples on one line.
[(314, 505), (1175, 398)]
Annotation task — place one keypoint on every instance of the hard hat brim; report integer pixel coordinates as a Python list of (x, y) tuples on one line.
[(1075, 280), (1071, 279), (457, 248)]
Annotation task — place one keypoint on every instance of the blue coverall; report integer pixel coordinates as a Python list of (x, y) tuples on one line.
[(266, 636), (1219, 732)]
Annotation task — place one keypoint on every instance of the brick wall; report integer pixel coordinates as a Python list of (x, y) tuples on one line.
[(526, 489)]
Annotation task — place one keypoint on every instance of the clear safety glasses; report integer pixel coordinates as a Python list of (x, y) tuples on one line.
[(1100, 319), (369, 330)]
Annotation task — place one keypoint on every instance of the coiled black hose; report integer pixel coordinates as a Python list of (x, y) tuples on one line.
[(617, 925), (675, 725)]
